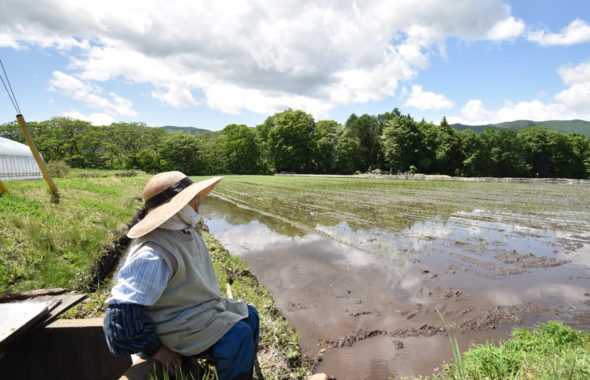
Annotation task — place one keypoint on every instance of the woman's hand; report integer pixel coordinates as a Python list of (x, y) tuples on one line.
[(169, 359)]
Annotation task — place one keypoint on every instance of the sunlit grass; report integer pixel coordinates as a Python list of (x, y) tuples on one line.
[(49, 241), (551, 351)]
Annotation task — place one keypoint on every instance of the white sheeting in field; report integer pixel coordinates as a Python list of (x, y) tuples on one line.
[(17, 161)]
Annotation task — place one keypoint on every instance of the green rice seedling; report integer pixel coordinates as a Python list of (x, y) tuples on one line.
[(394, 205), (204, 371), (458, 368)]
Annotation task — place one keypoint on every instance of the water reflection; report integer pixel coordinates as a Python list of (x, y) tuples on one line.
[(464, 246), (496, 248), (479, 269), (215, 208), (246, 232)]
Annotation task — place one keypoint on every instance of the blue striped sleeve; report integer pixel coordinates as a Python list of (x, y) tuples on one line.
[(128, 330), (142, 279)]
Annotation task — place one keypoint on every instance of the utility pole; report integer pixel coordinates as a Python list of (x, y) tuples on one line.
[(38, 158)]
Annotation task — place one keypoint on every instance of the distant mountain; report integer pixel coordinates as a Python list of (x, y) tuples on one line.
[(566, 126), (191, 130)]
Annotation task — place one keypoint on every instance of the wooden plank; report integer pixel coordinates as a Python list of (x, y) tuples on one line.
[(65, 302), (15, 318), (6, 297)]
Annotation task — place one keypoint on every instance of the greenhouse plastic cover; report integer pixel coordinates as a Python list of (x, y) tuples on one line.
[(17, 161)]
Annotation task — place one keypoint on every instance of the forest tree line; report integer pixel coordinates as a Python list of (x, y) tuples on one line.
[(293, 142)]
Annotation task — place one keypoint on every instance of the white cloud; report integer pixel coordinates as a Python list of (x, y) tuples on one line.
[(90, 94), (7, 40), (508, 28), (94, 118), (571, 103), (576, 74), (257, 55), (24, 40), (475, 113), (426, 100), (176, 96), (575, 33), (577, 96)]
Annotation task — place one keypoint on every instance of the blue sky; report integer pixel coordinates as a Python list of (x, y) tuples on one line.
[(210, 64)]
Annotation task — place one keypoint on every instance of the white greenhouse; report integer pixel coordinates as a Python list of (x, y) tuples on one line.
[(17, 161)]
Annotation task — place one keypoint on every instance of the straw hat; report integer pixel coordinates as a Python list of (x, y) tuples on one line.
[(165, 194)]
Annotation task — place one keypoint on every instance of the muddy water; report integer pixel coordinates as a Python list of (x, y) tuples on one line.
[(365, 301)]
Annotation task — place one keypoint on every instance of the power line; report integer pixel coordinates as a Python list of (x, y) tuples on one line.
[(9, 90)]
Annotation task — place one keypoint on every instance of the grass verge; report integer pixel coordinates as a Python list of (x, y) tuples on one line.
[(56, 242), (550, 351)]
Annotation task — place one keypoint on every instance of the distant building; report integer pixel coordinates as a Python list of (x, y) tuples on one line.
[(17, 161)]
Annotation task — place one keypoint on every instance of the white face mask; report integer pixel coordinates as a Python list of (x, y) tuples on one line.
[(186, 217), (189, 216)]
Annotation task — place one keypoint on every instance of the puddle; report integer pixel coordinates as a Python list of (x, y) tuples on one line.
[(367, 298)]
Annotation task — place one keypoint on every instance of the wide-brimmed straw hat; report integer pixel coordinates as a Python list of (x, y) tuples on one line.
[(164, 195)]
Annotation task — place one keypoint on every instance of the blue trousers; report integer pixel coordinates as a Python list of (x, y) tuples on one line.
[(236, 350)]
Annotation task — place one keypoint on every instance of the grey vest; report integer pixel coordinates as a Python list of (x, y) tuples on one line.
[(191, 315)]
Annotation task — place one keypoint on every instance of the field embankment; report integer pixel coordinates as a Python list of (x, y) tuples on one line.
[(50, 241)]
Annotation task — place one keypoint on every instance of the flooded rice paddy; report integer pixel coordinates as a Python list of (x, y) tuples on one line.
[(359, 267)]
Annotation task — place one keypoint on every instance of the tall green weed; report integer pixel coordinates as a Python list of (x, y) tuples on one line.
[(551, 351)]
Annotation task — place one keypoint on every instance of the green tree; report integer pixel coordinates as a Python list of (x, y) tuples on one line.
[(476, 160), (182, 151), (240, 150), (126, 142), (12, 131), (289, 139), (581, 148), (402, 144), (150, 156), (550, 153), (213, 159), (327, 133), (448, 149), (92, 150), (504, 152), (427, 160), (58, 139), (349, 156), (368, 132), (386, 117)]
